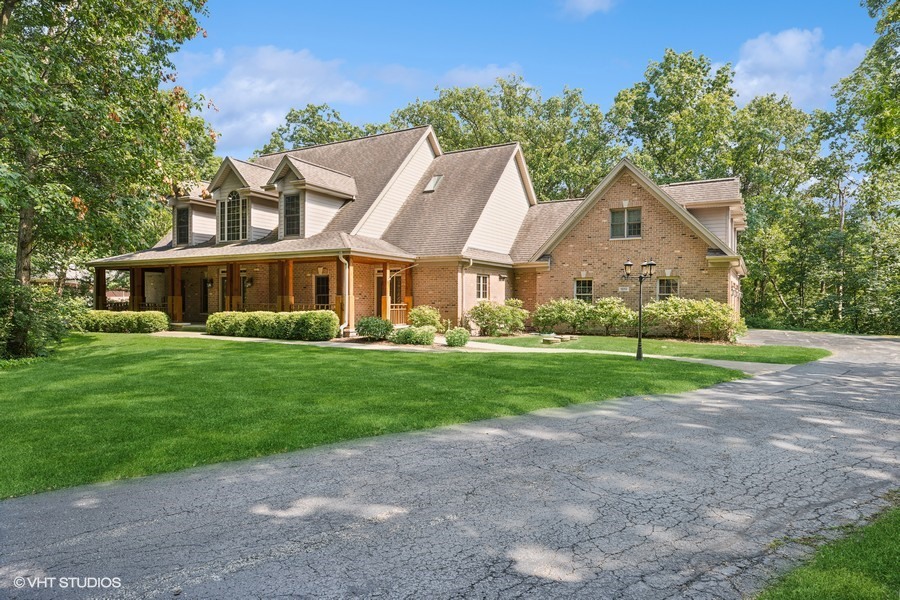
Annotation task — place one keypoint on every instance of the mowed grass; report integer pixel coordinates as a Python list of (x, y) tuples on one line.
[(110, 406), (788, 355), (863, 566)]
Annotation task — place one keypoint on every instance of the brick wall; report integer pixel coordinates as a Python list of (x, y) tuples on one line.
[(437, 285), (305, 281), (588, 252)]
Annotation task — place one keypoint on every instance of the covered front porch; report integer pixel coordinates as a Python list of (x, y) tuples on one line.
[(351, 286)]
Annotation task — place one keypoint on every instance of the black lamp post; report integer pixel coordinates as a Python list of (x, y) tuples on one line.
[(646, 273)]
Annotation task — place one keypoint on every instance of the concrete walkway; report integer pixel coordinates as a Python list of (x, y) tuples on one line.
[(752, 368), (676, 496)]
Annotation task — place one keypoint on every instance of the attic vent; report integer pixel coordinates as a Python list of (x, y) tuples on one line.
[(432, 185)]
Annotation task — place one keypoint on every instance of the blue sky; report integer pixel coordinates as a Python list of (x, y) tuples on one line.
[(261, 58)]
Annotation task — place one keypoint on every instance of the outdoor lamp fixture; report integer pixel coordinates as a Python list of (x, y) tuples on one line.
[(248, 282), (646, 273), (209, 284)]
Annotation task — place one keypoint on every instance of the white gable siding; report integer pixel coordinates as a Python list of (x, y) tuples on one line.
[(383, 212), (714, 219), (263, 218), (318, 212), (203, 224), (503, 215), (230, 184)]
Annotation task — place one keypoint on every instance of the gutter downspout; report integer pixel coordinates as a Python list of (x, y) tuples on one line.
[(346, 301)]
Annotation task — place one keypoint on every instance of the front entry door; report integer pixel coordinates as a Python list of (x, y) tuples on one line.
[(396, 290)]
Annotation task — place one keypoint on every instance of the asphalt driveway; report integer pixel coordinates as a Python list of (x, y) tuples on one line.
[(649, 497)]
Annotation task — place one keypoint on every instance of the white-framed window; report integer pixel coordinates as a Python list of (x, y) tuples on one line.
[(482, 287), (666, 287), (584, 290), (292, 215), (182, 226), (625, 223), (233, 218)]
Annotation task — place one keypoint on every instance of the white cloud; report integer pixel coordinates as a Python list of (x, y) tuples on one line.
[(262, 84), (794, 62), (464, 75), (582, 9)]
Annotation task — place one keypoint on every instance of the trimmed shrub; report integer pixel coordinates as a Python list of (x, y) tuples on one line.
[(576, 314), (422, 316), (419, 336), (375, 328), (108, 321), (499, 319), (612, 314), (457, 337), (310, 326), (686, 318)]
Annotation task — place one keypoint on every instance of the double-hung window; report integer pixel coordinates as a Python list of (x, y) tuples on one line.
[(482, 287), (292, 215), (323, 298), (584, 290), (625, 223), (666, 287), (182, 226), (233, 218)]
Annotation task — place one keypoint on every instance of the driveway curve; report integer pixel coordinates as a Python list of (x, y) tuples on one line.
[(644, 497)]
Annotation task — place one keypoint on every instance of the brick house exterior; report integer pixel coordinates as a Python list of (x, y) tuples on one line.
[(318, 227)]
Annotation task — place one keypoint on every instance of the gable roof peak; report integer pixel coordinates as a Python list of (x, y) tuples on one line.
[(356, 139)]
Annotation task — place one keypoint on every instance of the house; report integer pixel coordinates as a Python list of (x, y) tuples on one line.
[(377, 225)]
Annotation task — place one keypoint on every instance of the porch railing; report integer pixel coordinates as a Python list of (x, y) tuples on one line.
[(303, 307), (118, 306), (153, 306), (398, 313), (255, 306)]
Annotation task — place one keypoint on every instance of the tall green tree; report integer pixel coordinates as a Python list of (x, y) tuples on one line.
[(89, 138), (312, 125)]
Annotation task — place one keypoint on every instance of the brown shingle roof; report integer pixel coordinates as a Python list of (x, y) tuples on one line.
[(707, 190), (541, 221), (255, 175), (324, 177), (322, 242), (371, 161), (439, 223)]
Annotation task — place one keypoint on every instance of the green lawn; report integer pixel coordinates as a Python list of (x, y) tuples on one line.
[(789, 355), (109, 406), (865, 565)]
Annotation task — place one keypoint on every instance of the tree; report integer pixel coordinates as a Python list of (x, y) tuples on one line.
[(315, 124), (678, 119), (89, 139)]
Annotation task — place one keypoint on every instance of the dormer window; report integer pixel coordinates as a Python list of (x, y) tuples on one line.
[(433, 183), (182, 226), (233, 218), (292, 215)]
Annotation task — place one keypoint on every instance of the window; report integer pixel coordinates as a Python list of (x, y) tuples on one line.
[(322, 295), (204, 295), (584, 290), (292, 215), (233, 218), (433, 183), (666, 287), (182, 226), (482, 287), (625, 223)]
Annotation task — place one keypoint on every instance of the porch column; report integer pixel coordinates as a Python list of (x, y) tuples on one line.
[(138, 299), (170, 286), (233, 281), (288, 285), (351, 296), (339, 289), (177, 300), (408, 277), (386, 291), (100, 288)]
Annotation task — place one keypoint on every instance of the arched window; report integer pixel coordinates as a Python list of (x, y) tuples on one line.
[(233, 218)]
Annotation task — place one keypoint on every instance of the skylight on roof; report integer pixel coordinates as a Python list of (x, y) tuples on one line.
[(432, 185)]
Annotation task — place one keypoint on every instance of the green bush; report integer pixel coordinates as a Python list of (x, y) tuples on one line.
[(686, 318), (457, 337), (576, 314), (374, 328), (108, 321), (419, 336), (41, 312), (499, 319), (422, 316), (612, 314), (314, 325)]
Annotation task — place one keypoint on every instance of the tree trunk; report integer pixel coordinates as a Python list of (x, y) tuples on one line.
[(17, 342)]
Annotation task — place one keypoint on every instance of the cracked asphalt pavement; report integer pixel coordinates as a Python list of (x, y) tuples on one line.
[(676, 496)]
